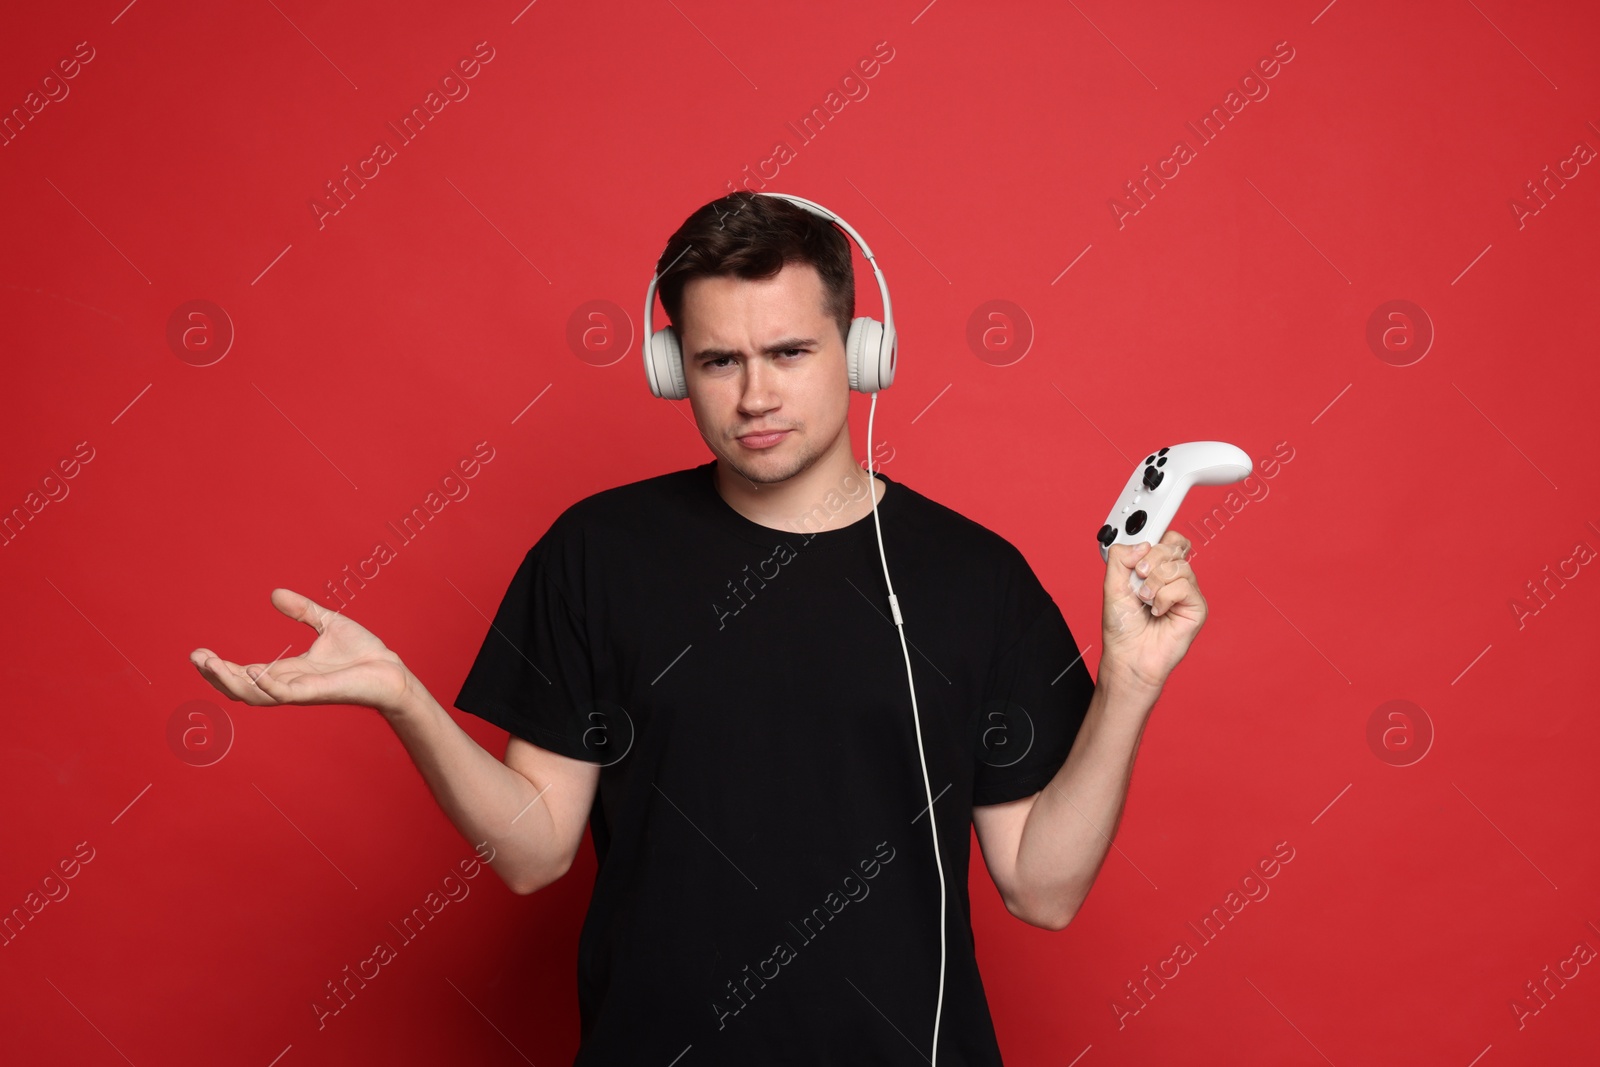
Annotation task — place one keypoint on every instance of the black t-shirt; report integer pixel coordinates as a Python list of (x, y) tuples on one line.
[(766, 889)]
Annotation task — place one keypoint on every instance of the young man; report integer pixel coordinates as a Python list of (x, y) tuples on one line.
[(702, 668)]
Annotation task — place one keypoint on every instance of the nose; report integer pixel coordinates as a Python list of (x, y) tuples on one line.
[(758, 394)]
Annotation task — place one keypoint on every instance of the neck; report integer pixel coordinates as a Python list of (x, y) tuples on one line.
[(828, 495)]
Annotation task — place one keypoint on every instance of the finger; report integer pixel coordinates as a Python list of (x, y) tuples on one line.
[(1176, 544), (1159, 567), (1120, 560), (235, 681), (1167, 596), (199, 657), (208, 663), (1126, 556), (1169, 569), (254, 683), (1175, 593), (301, 608), (1178, 541), (268, 684), (1157, 563)]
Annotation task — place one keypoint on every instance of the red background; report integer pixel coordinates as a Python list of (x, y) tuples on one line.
[(374, 350)]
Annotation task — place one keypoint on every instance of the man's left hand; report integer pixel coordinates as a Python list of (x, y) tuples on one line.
[(1145, 637)]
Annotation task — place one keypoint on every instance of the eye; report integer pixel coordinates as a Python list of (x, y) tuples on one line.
[(720, 362)]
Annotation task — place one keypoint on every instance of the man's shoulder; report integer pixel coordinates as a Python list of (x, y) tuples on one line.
[(937, 521), (616, 518), (628, 499)]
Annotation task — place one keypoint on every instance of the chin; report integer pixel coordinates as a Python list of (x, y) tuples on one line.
[(769, 469)]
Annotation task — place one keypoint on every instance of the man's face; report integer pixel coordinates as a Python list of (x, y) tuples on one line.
[(762, 356)]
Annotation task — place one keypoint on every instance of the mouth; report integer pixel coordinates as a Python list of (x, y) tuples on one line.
[(762, 438)]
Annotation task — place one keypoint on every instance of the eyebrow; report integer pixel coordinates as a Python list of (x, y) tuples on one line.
[(780, 345)]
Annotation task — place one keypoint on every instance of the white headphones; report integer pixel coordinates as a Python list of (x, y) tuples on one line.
[(870, 351), (869, 348)]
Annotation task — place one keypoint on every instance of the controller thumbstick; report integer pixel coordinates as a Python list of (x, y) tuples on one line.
[(1152, 477), (1107, 535)]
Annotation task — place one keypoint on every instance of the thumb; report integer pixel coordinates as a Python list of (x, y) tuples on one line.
[(1119, 572), (1123, 558), (1122, 604), (300, 608)]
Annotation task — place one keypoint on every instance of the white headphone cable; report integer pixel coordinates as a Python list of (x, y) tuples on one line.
[(894, 608)]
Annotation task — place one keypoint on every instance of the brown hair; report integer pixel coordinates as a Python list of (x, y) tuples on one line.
[(748, 235)]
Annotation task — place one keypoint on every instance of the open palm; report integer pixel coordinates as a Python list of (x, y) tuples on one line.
[(346, 664)]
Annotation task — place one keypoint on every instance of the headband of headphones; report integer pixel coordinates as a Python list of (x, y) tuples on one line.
[(869, 348)]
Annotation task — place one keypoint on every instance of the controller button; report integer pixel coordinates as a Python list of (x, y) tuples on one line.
[(1152, 477), (1107, 534), (1150, 459), (1162, 462), (1163, 452), (1135, 522)]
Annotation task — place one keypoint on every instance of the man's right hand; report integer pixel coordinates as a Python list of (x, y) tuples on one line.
[(346, 664)]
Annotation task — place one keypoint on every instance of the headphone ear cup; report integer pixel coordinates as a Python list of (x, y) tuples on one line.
[(666, 365), (869, 355)]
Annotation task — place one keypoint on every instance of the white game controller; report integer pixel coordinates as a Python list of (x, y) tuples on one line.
[(1158, 485)]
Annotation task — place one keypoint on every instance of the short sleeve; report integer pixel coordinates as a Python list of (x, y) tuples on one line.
[(534, 675), (1036, 699)]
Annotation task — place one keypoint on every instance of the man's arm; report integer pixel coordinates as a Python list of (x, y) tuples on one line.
[(531, 809), (1045, 851)]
